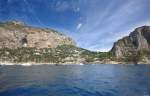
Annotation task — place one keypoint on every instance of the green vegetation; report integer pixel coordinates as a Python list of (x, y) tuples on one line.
[(137, 56), (61, 54), (64, 54)]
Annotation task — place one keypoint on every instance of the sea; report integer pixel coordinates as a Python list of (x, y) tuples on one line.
[(75, 80)]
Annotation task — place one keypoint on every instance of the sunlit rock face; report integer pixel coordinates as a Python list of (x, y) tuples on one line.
[(16, 34), (136, 41)]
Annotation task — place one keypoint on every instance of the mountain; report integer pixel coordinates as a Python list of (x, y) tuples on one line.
[(135, 47), (20, 43), (16, 34), (138, 40)]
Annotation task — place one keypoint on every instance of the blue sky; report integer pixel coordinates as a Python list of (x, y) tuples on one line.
[(93, 24)]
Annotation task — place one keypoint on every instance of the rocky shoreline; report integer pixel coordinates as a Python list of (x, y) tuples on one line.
[(70, 63)]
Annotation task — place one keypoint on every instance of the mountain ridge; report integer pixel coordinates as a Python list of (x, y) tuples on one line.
[(137, 40), (20, 43), (16, 34)]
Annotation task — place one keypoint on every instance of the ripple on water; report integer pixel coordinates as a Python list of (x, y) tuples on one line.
[(88, 80)]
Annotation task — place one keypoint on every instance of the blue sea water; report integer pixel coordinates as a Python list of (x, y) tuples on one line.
[(75, 80)]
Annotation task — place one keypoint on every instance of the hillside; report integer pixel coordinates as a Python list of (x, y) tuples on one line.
[(135, 47), (16, 34), (64, 54), (20, 43)]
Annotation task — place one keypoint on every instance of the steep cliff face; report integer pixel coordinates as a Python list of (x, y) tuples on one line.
[(16, 34), (137, 40)]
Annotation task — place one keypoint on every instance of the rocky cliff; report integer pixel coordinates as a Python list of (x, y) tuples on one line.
[(21, 44), (16, 34), (138, 40)]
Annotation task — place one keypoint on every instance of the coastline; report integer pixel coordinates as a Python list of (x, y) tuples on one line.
[(70, 63), (35, 64)]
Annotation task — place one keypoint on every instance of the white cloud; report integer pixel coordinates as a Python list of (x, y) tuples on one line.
[(79, 26), (62, 6), (103, 27)]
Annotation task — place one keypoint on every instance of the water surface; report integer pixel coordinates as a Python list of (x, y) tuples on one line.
[(75, 80)]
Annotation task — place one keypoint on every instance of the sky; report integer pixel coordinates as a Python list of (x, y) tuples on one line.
[(93, 24)]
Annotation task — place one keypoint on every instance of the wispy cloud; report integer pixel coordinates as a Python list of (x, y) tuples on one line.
[(94, 24), (115, 20), (79, 26), (64, 5)]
